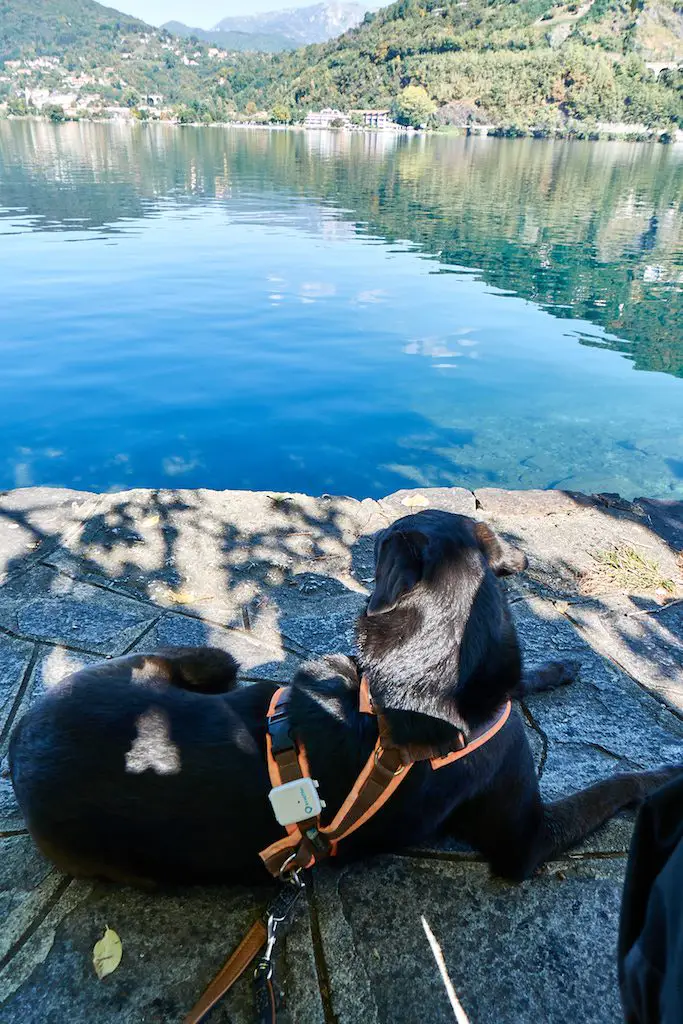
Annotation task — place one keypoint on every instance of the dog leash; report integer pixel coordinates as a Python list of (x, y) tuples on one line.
[(297, 808), (264, 935)]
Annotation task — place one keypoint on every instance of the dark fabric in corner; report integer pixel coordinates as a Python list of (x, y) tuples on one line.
[(651, 931)]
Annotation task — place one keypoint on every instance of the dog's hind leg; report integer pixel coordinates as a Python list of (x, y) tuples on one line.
[(200, 669), (197, 669), (549, 676)]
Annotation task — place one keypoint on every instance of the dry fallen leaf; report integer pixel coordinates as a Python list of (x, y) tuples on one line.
[(181, 597), (415, 501), (151, 521), (106, 954)]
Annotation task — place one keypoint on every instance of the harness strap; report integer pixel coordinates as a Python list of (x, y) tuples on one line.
[(384, 771)]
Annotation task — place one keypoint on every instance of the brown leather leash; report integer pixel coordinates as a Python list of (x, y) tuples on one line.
[(263, 935), (248, 949), (297, 807)]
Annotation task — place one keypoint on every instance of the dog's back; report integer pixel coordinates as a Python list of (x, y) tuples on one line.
[(113, 770)]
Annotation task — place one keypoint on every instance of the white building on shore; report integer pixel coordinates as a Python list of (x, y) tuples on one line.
[(324, 118), (374, 118)]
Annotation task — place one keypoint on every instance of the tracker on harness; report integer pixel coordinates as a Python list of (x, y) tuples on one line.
[(297, 807)]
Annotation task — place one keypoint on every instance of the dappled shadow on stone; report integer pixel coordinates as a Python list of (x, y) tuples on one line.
[(640, 629)]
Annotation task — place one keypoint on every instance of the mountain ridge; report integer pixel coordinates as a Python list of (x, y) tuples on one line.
[(315, 24), (233, 39)]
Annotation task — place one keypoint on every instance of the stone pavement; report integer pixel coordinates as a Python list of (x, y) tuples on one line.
[(272, 579)]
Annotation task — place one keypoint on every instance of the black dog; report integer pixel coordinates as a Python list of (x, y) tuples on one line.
[(152, 768)]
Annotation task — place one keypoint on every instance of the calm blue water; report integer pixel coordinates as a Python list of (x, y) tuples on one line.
[(222, 309)]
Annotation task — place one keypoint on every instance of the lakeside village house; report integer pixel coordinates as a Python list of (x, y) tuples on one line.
[(368, 118)]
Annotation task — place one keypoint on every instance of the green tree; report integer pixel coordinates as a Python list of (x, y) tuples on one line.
[(413, 106), (54, 112), (281, 113), (17, 105)]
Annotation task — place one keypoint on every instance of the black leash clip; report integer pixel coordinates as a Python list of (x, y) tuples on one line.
[(267, 994)]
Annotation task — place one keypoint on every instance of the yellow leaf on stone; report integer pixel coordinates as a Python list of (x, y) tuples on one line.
[(182, 597), (415, 501), (106, 954), (151, 521)]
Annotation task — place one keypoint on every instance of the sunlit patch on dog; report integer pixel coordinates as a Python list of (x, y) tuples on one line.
[(149, 671), (153, 749)]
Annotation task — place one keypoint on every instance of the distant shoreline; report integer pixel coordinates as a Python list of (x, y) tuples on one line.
[(589, 134)]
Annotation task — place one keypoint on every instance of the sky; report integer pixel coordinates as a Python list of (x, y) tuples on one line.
[(198, 13)]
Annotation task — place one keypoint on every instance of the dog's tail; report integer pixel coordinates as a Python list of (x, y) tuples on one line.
[(202, 669)]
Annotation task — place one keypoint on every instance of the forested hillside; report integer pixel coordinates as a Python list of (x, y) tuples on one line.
[(54, 27), (508, 63), (79, 47), (496, 61)]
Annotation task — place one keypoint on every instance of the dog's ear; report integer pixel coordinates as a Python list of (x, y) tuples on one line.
[(399, 566), (504, 559)]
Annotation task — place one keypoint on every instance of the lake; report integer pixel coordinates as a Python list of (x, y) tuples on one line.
[(325, 312)]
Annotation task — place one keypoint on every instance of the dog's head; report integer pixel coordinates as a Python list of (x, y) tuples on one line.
[(436, 636), (419, 549)]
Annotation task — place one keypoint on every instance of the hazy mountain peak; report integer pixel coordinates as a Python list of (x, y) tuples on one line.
[(315, 24)]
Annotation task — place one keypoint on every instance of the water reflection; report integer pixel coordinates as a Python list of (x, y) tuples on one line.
[(338, 312)]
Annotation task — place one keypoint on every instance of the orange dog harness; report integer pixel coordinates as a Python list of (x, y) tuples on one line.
[(388, 765)]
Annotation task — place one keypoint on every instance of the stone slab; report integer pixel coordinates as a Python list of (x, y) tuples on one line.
[(15, 657), (601, 724), (11, 821), (256, 659), (45, 605), (408, 501), (35, 520), (173, 945), (559, 532), (219, 552), (647, 643), (495, 501), (666, 519), (22, 870), (541, 951)]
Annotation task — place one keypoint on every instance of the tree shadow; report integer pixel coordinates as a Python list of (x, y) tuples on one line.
[(233, 563), (639, 629)]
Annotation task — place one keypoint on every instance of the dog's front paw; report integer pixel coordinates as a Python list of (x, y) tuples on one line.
[(562, 673), (551, 676)]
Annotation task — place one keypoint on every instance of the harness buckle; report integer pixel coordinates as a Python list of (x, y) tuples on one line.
[(379, 750)]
